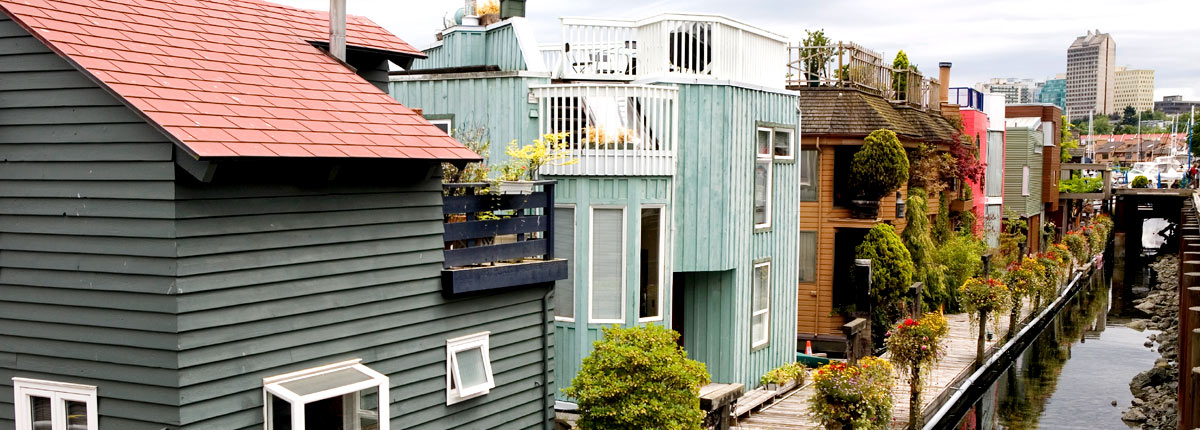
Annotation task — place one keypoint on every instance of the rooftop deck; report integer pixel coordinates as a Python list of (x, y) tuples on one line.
[(849, 65)]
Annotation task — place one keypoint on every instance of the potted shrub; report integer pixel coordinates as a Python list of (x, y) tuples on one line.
[(853, 396), (636, 378), (965, 200), (517, 176), (1140, 182), (488, 12), (879, 168), (784, 377)]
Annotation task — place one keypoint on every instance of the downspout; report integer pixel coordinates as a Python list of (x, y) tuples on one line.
[(546, 333), (820, 251)]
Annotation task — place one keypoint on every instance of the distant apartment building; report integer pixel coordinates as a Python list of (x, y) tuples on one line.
[(1014, 90), (1054, 91), (1175, 105), (1091, 75), (1134, 87)]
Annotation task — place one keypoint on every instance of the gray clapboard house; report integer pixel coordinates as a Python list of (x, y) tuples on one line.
[(206, 221)]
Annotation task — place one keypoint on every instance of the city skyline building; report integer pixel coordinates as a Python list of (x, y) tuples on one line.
[(1134, 87), (1091, 75), (1054, 91)]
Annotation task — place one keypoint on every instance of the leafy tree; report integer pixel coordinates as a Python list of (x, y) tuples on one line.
[(639, 378), (1129, 116), (929, 169), (960, 256), (1068, 140), (900, 75), (941, 224), (920, 246), (880, 167), (818, 52)]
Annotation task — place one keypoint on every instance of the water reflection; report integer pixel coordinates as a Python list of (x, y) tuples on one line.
[(1072, 372)]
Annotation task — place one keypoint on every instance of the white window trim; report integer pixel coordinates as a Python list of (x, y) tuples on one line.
[(592, 261), (755, 343), (57, 392), (770, 176), (662, 260), (449, 124), (791, 143), (459, 344), (1025, 181), (273, 386), (575, 245)]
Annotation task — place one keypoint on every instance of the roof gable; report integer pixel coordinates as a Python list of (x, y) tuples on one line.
[(237, 78)]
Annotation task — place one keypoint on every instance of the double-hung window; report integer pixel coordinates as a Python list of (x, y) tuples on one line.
[(468, 368), (809, 170), (772, 144), (49, 405), (760, 315), (606, 289), (346, 395)]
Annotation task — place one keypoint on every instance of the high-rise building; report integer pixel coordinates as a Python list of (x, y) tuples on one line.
[(1014, 90), (1135, 87), (1055, 91), (1091, 75)]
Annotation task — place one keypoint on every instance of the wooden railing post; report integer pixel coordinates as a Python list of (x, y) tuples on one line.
[(548, 211), (982, 341)]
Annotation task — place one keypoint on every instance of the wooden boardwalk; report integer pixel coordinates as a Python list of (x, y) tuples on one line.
[(792, 412)]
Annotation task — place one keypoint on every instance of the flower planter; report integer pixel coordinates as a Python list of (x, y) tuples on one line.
[(958, 205), (489, 19), (864, 209), (516, 187)]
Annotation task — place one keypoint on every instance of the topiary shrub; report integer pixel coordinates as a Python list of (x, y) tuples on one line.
[(891, 275), (1140, 182), (639, 378), (880, 167)]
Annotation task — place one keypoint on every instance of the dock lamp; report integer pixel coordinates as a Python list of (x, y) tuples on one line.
[(901, 205)]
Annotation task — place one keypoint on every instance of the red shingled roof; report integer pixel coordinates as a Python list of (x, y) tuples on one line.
[(230, 78)]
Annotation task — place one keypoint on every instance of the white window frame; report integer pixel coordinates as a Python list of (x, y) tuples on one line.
[(755, 343), (791, 143), (662, 259), (58, 393), (460, 393), (273, 386), (770, 157), (592, 262), (449, 124), (575, 246), (1025, 181)]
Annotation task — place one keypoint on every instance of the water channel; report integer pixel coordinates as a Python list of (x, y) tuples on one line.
[(1070, 375)]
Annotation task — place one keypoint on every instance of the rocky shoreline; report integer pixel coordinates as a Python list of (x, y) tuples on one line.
[(1155, 390)]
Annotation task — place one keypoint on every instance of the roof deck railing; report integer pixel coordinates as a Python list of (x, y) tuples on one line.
[(849, 65), (670, 45), (966, 97)]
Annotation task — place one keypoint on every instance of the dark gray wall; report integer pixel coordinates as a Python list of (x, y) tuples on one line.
[(177, 297), (86, 240)]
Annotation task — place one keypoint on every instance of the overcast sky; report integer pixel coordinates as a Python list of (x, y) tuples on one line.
[(984, 39)]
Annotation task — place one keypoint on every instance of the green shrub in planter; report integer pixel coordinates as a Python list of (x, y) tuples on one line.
[(880, 167), (1140, 182), (639, 378), (794, 371)]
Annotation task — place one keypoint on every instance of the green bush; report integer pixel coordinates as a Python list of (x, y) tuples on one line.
[(941, 225), (1081, 185), (1078, 244), (639, 378), (880, 167), (961, 257), (891, 275), (1140, 182), (794, 371)]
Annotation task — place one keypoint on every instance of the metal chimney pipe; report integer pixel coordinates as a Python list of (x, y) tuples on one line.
[(944, 77), (337, 29)]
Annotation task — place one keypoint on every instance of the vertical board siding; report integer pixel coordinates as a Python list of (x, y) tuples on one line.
[(1018, 154), (496, 47), (86, 254), (276, 278), (574, 339), (498, 104), (714, 223)]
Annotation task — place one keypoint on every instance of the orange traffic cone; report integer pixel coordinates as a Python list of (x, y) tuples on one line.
[(808, 347)]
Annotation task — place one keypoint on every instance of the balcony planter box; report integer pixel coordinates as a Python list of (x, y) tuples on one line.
[(516, 187), (958, 205), (489, 19), (864, 209)]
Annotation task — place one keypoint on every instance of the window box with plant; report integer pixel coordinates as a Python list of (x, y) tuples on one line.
[(518, 175), (879, 168)]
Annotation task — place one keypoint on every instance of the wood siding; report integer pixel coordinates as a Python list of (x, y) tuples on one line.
[(86, 240), (815, 299), (1019, 153), (175, 298), (476, 47), (497, 103)]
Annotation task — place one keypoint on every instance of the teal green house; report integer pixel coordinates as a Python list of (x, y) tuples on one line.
[(683, 207)]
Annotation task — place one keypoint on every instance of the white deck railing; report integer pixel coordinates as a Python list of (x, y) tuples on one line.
[(678, 45), (613, 130)]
